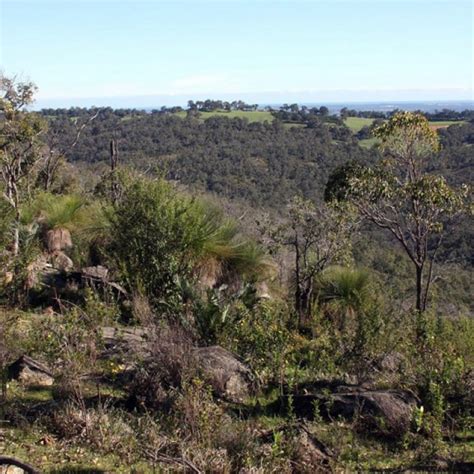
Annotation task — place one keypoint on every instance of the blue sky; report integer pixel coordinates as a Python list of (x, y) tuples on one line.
[(264, 51)]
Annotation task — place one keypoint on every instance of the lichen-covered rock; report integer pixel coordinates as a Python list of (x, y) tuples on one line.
[(61, 261), (30, 372), (387, 412), (119, 342), (310, 455), (98, 272), (38, 271), (230, 379)]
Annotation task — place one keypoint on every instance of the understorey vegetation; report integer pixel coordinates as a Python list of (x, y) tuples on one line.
[(189, 295)]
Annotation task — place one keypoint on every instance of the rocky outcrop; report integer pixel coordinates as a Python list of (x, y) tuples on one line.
[(120, 342), (38, 271), (30, 372), (98, 272), (309, 454), (98, 277), (60, 261), (230, 379), (386, 412)]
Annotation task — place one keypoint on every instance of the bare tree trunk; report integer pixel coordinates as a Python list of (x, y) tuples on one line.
[(16, 230), (113, 167), (298, 283), (419, 289), (16, 240)]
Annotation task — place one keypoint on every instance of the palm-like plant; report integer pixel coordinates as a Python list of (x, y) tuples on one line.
[(59, 216), (225, 253), (159, 234), (344, 292)]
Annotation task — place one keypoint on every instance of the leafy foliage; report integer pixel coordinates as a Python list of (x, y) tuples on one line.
[(398, 195), (162, 238)]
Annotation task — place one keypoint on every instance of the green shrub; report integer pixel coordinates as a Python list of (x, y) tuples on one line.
[(162, 241), (260, 335)]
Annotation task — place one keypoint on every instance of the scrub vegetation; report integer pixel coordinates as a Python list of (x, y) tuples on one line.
[(227, 289)]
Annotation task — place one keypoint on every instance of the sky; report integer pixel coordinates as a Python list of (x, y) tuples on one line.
[(144, 53)]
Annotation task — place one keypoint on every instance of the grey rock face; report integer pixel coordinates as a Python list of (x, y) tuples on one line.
[(30, 372), (229, 378)]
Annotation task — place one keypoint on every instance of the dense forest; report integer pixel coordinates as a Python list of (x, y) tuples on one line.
[(264, 165), (185, 291)]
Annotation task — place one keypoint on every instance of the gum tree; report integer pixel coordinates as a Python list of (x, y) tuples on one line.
[(20, 146), (398, 195), (317, 236)]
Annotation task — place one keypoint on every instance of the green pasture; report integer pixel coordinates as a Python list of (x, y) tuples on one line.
[(251, 116), (357, 123)]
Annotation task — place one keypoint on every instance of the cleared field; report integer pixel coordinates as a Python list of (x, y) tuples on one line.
[(368, 142), (357, 123), (445, 123), (251, 116)]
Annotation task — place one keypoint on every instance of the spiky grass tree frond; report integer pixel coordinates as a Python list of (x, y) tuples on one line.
[(251, 260), (55, 211), (58, 217), (93, 221), (67, 211), (344, 290), (159, 234), (226, 250)]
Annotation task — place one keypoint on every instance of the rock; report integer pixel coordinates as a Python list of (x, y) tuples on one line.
[(10, 465), (391, 362), (97, 272), (30, 372), (98, 277), (387, 371), (262, 291), (61, 261), (310, 455), (7, 278), (11, 470), (37, 272), (122, 341), (229, 378), (387, 412)]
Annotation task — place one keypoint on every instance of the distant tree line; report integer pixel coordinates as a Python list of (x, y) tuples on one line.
[(310, 116), (209, 105), (436, 116)]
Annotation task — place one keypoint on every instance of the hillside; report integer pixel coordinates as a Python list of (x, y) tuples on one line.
[(213, 294)]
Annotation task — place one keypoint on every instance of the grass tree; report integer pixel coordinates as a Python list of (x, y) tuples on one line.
[(61, 219), (344, 291), (162, 239)]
